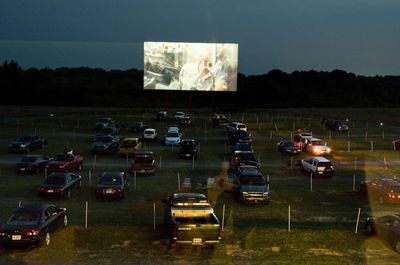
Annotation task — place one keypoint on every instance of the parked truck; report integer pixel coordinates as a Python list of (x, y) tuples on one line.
[(190, 220)]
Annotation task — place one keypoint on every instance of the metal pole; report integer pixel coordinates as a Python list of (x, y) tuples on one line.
[(86, 215), (372, 146), (348, 146), (160, 161), (179, 182), (90, 178), (289, 225), (385, 162), (154, 216), (223, 216), (354, 182), (276, 127), (358, 220), (268, 183), (192, 161), (134, 180), (311, 187)]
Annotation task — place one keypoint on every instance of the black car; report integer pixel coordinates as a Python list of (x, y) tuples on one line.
[(386, 227), (27, 142), (239, 157), (105, 144), (288, 147), (32, 164), (185, 122), (162, 116), (112, 185), (240, 136), (242, 147), (219, 120), (188, 148), (108, 131), (251, 186), (138, 127), (59, 185), (31, 225)]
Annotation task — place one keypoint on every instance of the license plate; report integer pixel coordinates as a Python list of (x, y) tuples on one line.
[(197, 240), (142, 170), (16, 237), (50, 191), (22, 169), (187, 154), (109, 191)]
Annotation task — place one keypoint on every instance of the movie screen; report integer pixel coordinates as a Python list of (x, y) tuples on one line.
[(190, 66)]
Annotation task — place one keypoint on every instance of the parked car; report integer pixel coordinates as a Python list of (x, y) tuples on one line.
[(150, 134), (27, 142), (385, 190), (105, 144), (188, 148), (162, 116), (112, 185), (65, 163), (251, 186), (396, 144), (316, 146), (32, 224), (173, 137), (335, 125), (239, 156), (59, 185), (301, 139), (189, 219), (104, 122), (178, 115), (185, 121), (32, 164), (387, 228), (300, 135), (219, 120), (318, 166), (240, 136), (129, 146), (138, 127), (235, 126), (144, 163), (288, 148), (108, 131), (242, 147)]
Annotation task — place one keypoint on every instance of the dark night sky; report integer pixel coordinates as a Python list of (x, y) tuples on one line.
[(359, 36)]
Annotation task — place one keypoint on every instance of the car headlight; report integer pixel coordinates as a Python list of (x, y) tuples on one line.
[(328, 150)]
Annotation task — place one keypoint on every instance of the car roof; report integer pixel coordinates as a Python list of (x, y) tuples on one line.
[(112, 174), (190, 195), (32, 208), (150, 129), (320, 158)]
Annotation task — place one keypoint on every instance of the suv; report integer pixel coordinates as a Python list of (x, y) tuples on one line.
[(317, 166), (251, 186), (316, 147), (335, 125)]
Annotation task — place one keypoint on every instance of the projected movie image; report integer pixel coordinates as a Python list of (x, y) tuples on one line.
[(190, 66)]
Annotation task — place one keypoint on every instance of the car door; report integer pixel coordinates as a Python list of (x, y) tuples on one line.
[(50, 220)]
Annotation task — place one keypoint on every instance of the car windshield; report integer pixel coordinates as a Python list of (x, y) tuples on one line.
[(24, 218), (55, 180), (288, 144), (317, 143), (188, 144), (242, 133), (62, 158), (103, 139), (109, 180), (149, 132), (241, 126), (395, 189), (173, 135), (324, 164), (129, 143), (252, 180), (143, 159), (24, 138), (28, 159)]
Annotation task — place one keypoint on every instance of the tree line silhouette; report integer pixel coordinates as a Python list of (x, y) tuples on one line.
[(86, 86)]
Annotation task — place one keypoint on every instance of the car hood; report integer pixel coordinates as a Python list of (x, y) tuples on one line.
[(253, 188)]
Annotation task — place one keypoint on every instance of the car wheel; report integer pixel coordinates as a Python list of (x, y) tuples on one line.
[(369, 230), (47, 239), (65, 220), (396, 245), (68, 195), (381, 200)]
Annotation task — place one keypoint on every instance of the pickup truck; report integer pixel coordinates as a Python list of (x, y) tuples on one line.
[(189, 219), (65, 163), (144, 163)]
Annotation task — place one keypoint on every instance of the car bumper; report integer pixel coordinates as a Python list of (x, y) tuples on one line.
[(51, 195), (196, 243), (144, 171), (26, 242), (250, 199)]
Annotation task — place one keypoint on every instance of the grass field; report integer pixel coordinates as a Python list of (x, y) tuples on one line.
[(121, 232)]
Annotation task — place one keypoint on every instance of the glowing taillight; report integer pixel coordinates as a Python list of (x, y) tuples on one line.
[(33, 233), (3, 234), (59, 190)]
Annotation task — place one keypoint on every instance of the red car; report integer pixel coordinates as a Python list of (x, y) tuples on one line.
[(65, 163), (385, 190), (144, 163), (396, 144)]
